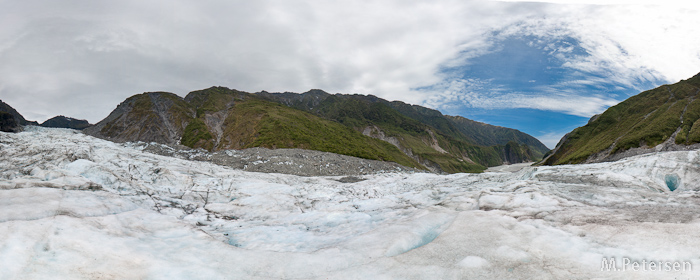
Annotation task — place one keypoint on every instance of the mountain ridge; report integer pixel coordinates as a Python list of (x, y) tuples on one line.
[(11, 120), (661, 119), (314, 97), (442, 142), (487, 134), (219, 118), (133, 119), (313, 100)]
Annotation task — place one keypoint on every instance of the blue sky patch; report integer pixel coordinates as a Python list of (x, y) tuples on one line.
[(528, 83)]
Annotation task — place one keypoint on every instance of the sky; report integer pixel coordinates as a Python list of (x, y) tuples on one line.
[(540, 67)]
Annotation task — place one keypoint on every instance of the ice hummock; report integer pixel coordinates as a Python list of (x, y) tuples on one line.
[(73, 206)]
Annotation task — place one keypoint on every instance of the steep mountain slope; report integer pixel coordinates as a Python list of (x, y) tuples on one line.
[(11, 120), (369, 127), (378, 120), (486, 134), (424, 134), (664, 118), (65, 122), (219, 118), (149, 117), (472, 131), (8, 123), (453, 126)]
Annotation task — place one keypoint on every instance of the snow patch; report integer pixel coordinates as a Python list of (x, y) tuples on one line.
[(473, 262)]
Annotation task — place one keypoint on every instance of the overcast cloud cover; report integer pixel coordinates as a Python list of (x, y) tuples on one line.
[(82, 58)]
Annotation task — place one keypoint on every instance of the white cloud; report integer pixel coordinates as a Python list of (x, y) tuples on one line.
[(82, 58), (72, 50), (625, 47), (677, 3), (550, 139), (483, 94), (632, 42)]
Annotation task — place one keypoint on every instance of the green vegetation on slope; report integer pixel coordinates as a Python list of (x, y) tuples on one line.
[(515, 152), (434, 119), (283, 127), (691, 113), (253, 122), (430, 146), (197, 135), (488, 135), (213, 99), (357, 112), (219, 118), (643, 120)]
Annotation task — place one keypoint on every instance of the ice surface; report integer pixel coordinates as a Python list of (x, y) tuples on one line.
[(72, 206), (473, 262)]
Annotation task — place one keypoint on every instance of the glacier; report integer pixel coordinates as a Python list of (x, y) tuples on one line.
[(77, 207)]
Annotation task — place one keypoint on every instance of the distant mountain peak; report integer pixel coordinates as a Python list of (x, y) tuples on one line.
[(66, 122), (316, 91)]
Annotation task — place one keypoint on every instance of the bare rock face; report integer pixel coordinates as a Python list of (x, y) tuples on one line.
[(149, 117)]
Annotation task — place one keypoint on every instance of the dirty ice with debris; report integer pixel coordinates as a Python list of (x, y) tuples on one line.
[(77, 207)]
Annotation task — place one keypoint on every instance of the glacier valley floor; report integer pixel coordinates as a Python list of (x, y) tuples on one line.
[(76, 207)]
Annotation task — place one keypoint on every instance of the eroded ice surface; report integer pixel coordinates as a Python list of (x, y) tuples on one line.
[(72, 206)]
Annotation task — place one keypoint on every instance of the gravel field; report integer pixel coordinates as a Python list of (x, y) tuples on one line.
[(285, 161)]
